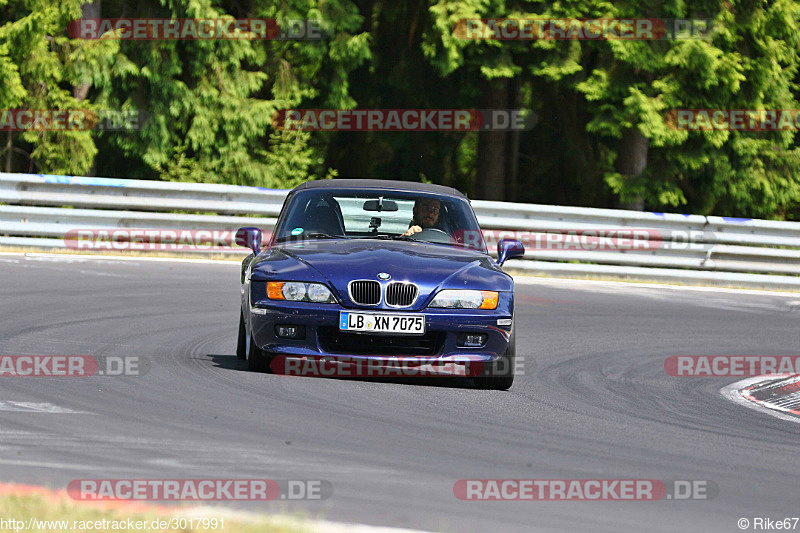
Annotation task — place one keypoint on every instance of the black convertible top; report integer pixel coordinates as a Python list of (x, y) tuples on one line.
[(351, 183)]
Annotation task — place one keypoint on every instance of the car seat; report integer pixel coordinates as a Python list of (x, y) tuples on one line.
[(323, 217)]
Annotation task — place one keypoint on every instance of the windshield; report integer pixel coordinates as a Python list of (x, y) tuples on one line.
[(376, 214)]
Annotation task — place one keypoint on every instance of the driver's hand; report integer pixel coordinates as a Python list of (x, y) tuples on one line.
[(412, 230)]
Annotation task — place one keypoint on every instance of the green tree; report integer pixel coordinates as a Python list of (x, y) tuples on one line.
[(210, 104), (39, 64)]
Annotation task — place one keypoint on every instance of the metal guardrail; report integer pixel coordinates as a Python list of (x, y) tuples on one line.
[(140, 195), (41, 209)]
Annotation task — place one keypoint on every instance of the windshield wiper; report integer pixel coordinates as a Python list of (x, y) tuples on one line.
[(312, 235), (320, 235), (386, 237)]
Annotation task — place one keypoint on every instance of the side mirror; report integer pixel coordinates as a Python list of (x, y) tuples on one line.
[(249, 238), (509, 249)]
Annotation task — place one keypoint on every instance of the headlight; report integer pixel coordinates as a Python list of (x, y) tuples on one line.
[(318, 293), (297, 291), (463, 299)]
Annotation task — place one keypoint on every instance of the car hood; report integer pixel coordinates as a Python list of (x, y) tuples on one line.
[(337, 262)]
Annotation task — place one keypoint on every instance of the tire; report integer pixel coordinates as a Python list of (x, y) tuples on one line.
[(241, 342), (257, 359), (501, 376)]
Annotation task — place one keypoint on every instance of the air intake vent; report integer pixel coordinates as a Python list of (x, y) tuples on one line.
[(331, 340), (401, 294), (365, 292)]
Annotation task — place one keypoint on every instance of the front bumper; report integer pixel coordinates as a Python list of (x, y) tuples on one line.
[(322, 337)]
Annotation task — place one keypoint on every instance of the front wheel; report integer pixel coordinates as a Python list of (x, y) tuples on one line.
[(241, 342), (500, 373), (257, 359)]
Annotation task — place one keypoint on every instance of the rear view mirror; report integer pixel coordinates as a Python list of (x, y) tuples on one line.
[(249, 238), (509, 249), (380, 205)]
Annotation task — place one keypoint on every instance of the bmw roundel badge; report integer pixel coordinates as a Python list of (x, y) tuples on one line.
[(384, 276)]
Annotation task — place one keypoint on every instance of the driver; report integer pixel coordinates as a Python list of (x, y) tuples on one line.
[(426, 215)]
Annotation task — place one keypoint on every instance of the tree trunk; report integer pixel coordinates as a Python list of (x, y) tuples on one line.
[(632, 160), (512, 152), (493, 146), (81, 91), (88, 11), (9, 152)]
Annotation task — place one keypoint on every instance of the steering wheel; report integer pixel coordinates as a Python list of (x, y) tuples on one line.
[(432, 235)]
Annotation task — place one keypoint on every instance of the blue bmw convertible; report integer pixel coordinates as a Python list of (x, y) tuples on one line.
[(378, 270)]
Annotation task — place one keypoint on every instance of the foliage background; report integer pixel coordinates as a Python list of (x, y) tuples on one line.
[(600, 140)]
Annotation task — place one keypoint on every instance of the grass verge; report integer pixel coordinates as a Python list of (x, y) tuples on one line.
[(54, 512)]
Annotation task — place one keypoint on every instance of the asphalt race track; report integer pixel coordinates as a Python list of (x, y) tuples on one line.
[(595, 403)]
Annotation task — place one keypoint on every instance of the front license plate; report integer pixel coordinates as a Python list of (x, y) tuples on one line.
[(382, 323)]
